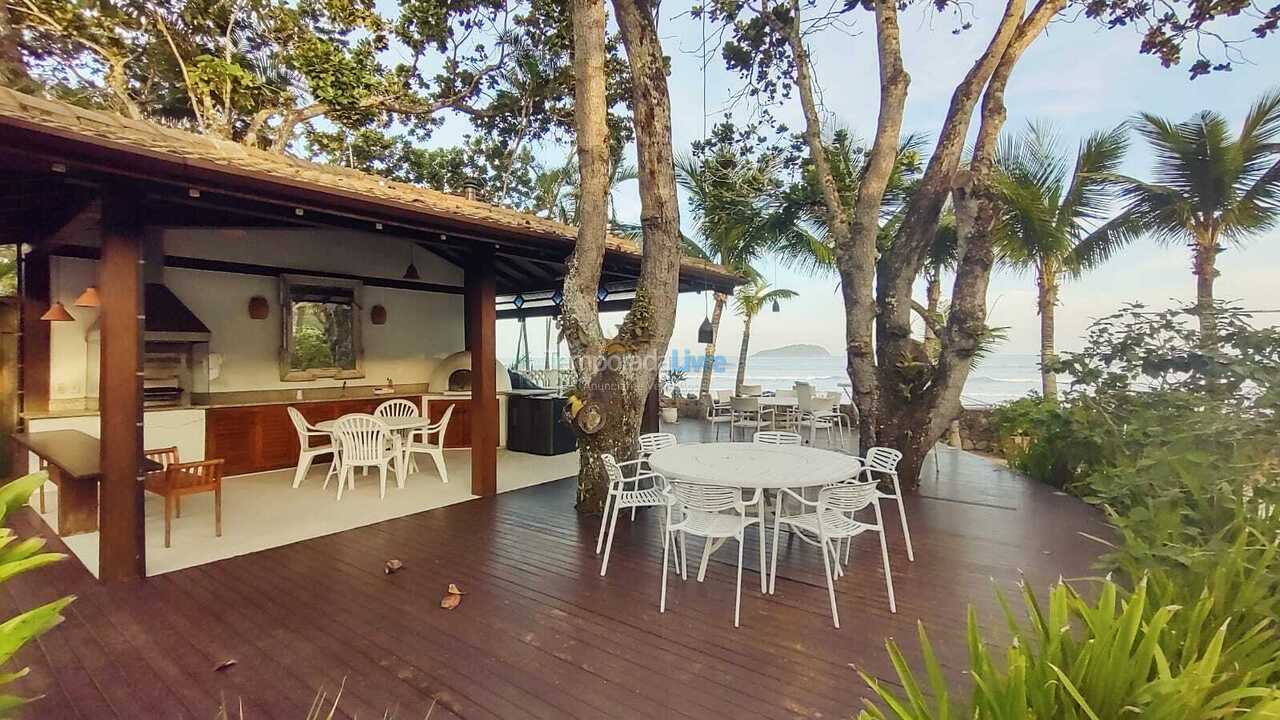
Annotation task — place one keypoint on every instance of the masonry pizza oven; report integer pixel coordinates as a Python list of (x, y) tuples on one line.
[(453, 374)]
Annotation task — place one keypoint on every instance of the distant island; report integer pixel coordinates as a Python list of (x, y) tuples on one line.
[(793, 351)]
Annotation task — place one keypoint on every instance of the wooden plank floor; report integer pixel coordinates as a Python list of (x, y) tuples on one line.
[(539, 634)]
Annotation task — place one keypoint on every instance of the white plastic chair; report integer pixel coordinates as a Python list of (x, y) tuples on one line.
[(712, 513), (777, 437), (884, 461), (399, 408), (747, 413), (829, 522), (364, 441), (621, 496), (307, 452), (720, 410), (425, 445), (811, 416)]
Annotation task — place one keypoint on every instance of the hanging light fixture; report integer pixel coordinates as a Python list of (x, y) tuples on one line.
[(411, 272), (57, 312), (776, 306), (706, 334), (88, 298)]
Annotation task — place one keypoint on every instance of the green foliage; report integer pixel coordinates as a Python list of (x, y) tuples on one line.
[(1079, 660), (17, 557), (1175, 440)]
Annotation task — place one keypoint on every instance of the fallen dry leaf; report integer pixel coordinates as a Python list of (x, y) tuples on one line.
[(453, 590), (223, 665), (450, 601), (393, 566)]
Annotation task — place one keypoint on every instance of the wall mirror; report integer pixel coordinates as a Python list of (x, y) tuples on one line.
[(321, 328)]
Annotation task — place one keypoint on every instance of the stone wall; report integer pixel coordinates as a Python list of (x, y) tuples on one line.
[(976, 431)]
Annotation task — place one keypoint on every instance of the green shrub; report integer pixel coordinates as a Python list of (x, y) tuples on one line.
[(1077, 660), (17, 557)]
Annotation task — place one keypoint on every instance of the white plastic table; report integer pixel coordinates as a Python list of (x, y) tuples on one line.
[(752, 466), (393, 423)]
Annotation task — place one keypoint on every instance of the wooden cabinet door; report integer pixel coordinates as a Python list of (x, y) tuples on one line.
[(277, 441), (458, 434), (229, 434)]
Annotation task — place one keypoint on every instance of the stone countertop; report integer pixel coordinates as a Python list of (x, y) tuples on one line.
[(251, 398)]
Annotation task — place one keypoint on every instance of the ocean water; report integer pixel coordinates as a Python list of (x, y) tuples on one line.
[(1000, 377)]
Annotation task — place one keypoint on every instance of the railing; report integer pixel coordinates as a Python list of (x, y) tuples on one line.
[(555, 379)]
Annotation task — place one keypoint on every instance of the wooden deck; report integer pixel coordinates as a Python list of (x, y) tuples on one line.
[(539, 634)]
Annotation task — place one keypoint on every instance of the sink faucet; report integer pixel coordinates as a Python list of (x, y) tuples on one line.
[(343, 392)]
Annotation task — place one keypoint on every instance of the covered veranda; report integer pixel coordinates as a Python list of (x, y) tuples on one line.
[(100, 201), (539, 633)]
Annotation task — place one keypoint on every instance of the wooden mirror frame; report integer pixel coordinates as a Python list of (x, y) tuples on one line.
[(287, 373)]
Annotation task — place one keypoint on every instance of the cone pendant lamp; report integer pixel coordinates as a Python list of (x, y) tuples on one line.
[(88, 298), (57, 312)]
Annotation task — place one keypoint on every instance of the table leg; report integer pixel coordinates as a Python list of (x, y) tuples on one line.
[(77, 504)]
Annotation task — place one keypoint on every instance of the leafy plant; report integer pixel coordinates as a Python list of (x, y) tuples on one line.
[(1081, 660), (17, 557)]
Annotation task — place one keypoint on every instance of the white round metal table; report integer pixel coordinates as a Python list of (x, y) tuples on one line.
[(754, 466)]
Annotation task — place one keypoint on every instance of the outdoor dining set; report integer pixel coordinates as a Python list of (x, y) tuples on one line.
[(389, 439), (721, 491), (798, 408)]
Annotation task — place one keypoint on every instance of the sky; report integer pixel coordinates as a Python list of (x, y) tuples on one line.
[(1079, 77)]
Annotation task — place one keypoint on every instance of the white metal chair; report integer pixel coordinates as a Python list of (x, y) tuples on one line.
[(621, 496), (712, 513), (835, 414), (777, 437), (364, 441), (747, 413), (829, 520), (720, 410), (811, 416), (786, 415), (884, 461), (751, 390), (308, 452), (421, 443)]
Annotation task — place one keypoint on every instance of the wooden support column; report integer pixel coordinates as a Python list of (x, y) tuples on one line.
[(121, 553), (481, 317), (33, 362)]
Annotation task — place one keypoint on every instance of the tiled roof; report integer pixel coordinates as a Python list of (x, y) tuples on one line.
[(144, 137)]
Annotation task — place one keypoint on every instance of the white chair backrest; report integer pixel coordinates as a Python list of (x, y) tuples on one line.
[(846, 497), (399, 408), (363, 438), (786, 393), (811, 404), (834, 399), (707, 498), (751, 390), (722, 396), (804, 391), (883, 459), (773, 437), (299, 424), (745, 405), (439, 428), (612, 469), (652, 442)]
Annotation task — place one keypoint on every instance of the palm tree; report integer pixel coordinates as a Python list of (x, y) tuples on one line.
[(734, 201), (748, 301), (1050, 212), (1208, 188)]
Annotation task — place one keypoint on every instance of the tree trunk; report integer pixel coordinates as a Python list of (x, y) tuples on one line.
[(1205, 269), (616, 374), (742, 355), (709, 362), (1047, 282), (933, 299)]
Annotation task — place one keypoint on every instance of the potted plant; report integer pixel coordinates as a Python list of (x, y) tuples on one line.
[(671, 380)]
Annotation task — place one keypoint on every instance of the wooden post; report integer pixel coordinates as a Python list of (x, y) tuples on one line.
[(121, 552), (480, 300), (33, 363)]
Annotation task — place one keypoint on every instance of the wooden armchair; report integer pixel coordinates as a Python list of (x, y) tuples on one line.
[(178, 479)]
